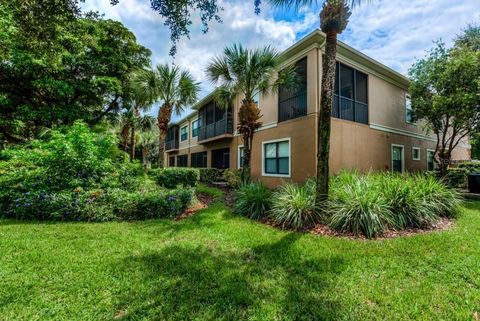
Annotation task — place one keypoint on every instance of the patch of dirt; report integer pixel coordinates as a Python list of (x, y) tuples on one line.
[(191, 211), (120, 314), (441, 225), (205, 199)]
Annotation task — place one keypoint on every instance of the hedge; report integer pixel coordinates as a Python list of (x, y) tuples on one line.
[(172, 177)]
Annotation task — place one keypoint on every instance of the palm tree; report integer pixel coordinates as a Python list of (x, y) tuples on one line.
[(173, 87), (147, 140), (241, 71), (333, 21), (144, 123)]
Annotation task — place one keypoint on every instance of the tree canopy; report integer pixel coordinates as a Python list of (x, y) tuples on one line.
[(445, 92), (57, 69)]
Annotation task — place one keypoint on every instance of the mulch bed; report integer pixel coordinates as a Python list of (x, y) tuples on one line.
[(441, 225)]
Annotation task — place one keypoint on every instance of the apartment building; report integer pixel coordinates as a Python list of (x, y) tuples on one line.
[(372, 127)]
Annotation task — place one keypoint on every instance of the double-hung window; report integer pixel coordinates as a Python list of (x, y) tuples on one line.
[(184, 133), (276, 158), (408, 110), (240, 157)]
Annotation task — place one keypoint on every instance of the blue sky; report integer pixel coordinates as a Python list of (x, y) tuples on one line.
[(394, 32)]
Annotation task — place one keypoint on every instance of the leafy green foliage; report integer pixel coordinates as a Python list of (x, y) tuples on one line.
[(58, 66), (294, 206), (233, 177), (252, 200), (76, 174), (210, 175), (372, 203), (444, 92), (172, 177)]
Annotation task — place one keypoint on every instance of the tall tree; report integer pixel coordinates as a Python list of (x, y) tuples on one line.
[(173, 87), (245, 72), (445, 93), (333, 21), (56, 70)]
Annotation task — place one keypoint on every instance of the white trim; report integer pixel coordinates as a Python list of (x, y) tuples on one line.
[(299, 55), (289, 157), (238, 156), (419, 153), (401, 132), (403, 156), (426, 157), (183, 140)]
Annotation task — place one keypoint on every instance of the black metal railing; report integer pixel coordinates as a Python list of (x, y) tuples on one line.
[(171, 144), (346, 108), (292, 107), (221, 127)]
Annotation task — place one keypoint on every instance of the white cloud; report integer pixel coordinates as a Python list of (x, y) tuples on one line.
[(394, 32)]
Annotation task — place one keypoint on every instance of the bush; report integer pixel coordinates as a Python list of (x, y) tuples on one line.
[(172, 177), (210, 175), (233, 178), (252, 200), (356, 206), (471, 166), (456, 177), (294, 206), (372, 203)]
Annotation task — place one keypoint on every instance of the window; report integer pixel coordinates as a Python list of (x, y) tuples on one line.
[(240, 157), (293, 103), (195, 127), (182, 160), (397, 159), (408, 110), (221, 158), (171, 161), (430, 160), (276, 158), (183, 134), (415, 153), (351, 94), (199, 160)]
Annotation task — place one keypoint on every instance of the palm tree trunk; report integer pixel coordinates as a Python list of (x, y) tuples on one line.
[(144, 155), (164, 115), (324, 117), (133, 143), (248, 117)]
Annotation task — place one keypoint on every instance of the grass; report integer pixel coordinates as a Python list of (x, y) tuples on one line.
[(210, 191), (215, 266)]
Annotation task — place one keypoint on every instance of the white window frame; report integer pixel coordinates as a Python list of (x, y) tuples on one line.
[(285, 139), (426, 158), (413, 153), (191, 128), (403, 156), (238, 156), (183, 140)]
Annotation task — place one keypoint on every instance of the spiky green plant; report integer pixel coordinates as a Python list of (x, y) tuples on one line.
[(294, 206), (252, 200)]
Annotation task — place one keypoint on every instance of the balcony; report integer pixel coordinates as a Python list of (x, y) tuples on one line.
[(215, 123), (171, 145), (218, 129)]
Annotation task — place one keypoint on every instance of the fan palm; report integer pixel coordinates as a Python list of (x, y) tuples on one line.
[(173, 87), (147, 140), (333, 21), (245, 72)]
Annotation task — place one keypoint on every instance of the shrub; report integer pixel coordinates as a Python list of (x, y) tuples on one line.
[(252, 200), (357, 207), (172, 177), (471, 166), (233, 178), (456, 177), (375, 202), (294, 206), (210, 175)]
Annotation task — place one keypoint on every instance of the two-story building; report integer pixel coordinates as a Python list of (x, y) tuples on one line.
[(372, 127)]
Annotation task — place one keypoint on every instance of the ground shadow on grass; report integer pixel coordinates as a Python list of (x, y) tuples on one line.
[(271, 281)]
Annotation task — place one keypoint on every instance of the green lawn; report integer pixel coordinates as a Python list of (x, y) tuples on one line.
[(214, 266)]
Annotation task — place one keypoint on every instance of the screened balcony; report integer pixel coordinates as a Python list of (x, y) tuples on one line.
[(171, 142), (215, 122)]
